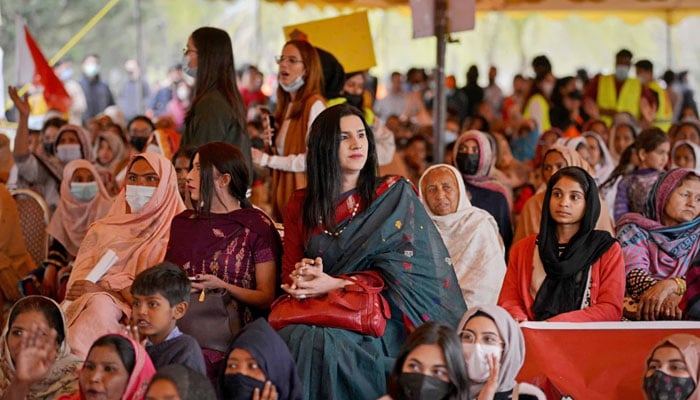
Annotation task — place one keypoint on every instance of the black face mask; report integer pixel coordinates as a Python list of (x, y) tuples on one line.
[(354, 100), (240, 387), (138, 142), (48, 148), (419, 386), (467, 163), (662, 386)]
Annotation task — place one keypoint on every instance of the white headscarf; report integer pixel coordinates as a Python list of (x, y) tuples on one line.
[(606, 165), (694, 147)]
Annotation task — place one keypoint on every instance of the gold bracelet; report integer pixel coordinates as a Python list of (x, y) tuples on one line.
[(681, 286)]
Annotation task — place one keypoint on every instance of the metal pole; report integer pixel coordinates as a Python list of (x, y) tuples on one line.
[(139, 56), (440, 100), (669, 39)]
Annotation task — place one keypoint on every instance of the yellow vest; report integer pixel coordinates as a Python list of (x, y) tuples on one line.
[(545, 125), (368, 113), (627, 101), (664, 112)]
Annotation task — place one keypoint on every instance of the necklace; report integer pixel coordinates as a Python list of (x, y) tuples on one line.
[(341, 230)]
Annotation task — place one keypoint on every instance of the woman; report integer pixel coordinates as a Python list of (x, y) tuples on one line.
[(470, 234), (673, 369), (659, 246), (299, 103), (429, 366), (225, 245), (474, 158), (216, 113), (176, 381), (622, 135), (556, 158), (15, 260), (136, 230), (116, 367), (387, 228), (110, 150), (84, 200), (569, 272), (36, 358), (599, 157), (684, 154), (487, 330), (259, 364)]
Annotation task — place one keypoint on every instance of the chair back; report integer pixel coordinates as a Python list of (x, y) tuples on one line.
[(34, 218)]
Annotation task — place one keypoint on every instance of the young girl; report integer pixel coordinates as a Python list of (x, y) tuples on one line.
[(653, 148)]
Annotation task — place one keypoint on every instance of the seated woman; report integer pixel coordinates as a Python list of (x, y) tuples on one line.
[(259, 364), (84, 200), (659, 246), (600, 159), (226, 245), (389, 232), (487, 330), (116, 367), (673, 370), (470, 234), (111, 155), (15, 260), (136, 229), (176, 381), (36, 358), (684, 154), (555, 158), (569, 272), (429, 366), (474, 158)]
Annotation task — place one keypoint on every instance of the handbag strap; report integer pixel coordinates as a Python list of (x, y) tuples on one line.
[(355, 279)]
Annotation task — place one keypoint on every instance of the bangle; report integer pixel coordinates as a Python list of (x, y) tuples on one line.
[(680, 282)]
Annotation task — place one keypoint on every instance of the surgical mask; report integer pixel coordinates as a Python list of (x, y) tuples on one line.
[(622, 72), (138, 142), (183, 93), (547, 89), (137, 196), (475, 355), (68, 152), (294, 86), (467, 163), (354, 99), (450, 136), (186, 67), (66, 74), (91, 70), (83, 191), (240, 387), (419, 387), (663, 386), (48, 148)]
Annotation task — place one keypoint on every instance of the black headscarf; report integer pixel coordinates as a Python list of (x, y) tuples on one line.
[(273, 356), (565, 284)]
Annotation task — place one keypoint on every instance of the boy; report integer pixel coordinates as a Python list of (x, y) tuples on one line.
[(161, 296)]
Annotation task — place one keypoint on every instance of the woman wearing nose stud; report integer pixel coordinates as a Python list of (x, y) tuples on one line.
[(569, 272)]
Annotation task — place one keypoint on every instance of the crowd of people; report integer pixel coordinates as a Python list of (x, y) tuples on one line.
[(177, 234)]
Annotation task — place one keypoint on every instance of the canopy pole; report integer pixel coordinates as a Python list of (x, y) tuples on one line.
[(439, 102), (669, 39)]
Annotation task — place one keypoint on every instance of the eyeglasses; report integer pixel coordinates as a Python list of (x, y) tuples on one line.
[(186, 51), (291, 60), (487, 338)]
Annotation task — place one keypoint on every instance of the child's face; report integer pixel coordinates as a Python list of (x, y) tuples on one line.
[(154, 317)]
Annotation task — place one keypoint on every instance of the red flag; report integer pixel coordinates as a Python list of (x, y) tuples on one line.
[(54, 93)]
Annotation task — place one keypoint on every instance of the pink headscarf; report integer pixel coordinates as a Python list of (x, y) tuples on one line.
[(689, 346), (486, 160), (85, 147), (72, 218), (139, 239)]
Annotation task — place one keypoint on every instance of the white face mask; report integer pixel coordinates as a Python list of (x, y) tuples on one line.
[(68, 152), (183, 93), (475, 356), (294, 86), (137, 196)]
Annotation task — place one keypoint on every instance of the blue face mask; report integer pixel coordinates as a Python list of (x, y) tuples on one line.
[(83, 191), (294, 86), (66, 74), (186, 67)]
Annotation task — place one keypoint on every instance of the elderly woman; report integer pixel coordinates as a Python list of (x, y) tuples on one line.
[(659, 246), (470, 234)]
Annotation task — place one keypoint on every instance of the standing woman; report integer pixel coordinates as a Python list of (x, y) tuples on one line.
[(299, 102), (216, 113), (569, 272), (384, 223), (225, 244)]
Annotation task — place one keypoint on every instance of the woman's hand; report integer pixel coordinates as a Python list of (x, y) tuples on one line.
[(269, 392), (256, 155), (489, 390), (651, 301), (21, 102), (81, 287), (670, 309), (208, 281), (36, 355), (309, 280)]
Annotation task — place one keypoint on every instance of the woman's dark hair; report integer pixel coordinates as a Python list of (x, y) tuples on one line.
[(557, 95), (122, 346), (445, 337), (324, 179), (46, 307), (190, 384), (624, 167), (575, 173), (216, 70), (184, 152), (649, 139), (227, 159), (313, 82)]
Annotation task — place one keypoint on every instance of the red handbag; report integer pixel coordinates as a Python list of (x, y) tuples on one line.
[(358, 307)]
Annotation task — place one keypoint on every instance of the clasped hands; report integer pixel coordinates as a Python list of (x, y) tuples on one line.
[(309, 280)]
